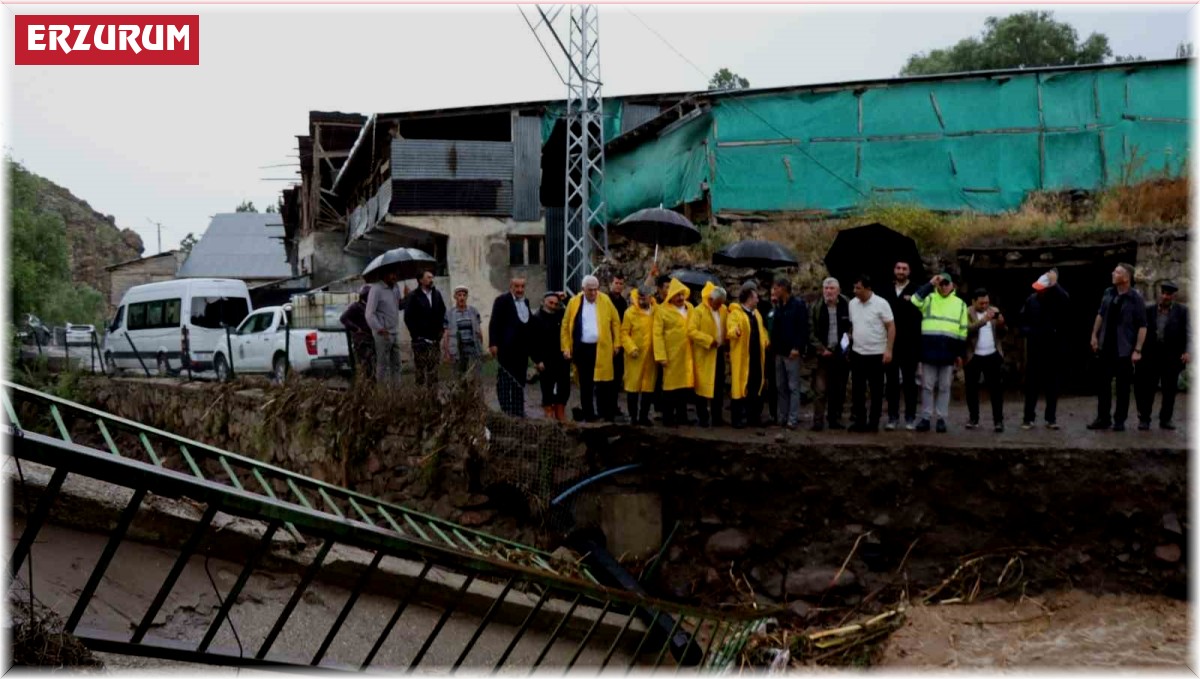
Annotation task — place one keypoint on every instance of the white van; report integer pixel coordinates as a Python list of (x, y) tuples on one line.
[(164, 324)]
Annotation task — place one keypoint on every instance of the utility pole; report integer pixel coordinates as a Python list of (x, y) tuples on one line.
[(584, 227), (159, 226)]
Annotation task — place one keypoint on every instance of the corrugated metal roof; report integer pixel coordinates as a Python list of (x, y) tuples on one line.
[(245, 245)]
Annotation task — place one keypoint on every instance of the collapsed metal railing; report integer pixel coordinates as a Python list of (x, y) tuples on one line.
[(54, 432)]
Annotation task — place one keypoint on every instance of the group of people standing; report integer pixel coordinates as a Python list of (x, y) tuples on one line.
[(665, 353)]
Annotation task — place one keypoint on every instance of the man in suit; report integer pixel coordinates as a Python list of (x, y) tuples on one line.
[(425, 318), (1168, 338), (903, 367), (830, 322), (508, 343)]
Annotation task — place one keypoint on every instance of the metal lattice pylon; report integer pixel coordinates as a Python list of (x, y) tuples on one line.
[(586, 212)]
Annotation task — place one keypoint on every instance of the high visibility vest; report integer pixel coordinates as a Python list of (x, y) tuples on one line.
[(942, 316)]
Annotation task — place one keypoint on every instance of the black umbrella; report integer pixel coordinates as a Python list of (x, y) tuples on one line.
[(872, 249), (406, 262), (694, 278), (756, 254), (658, 226)]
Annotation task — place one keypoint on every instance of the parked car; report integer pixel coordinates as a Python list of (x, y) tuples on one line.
[(174, 325), (264, 344), (33, 331), (79, 334)]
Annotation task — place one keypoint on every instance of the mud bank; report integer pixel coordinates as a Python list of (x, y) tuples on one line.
[(790, 513)]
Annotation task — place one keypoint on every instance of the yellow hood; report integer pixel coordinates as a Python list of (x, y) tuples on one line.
[(676, 288), (708, 288)]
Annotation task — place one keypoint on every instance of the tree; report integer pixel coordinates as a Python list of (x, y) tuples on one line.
[(272, 209), (247, 206), (725, 79), (1025, 40), (186, 244), (39, 269), (1184, 50)]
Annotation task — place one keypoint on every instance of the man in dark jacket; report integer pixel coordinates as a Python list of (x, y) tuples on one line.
[(616, 293), (765, 282), (425, 318), (1168, 338), (508, 339), (789, 337), (830, 322), (906, 358), (354, 320), (1118, 339), (545, 348), (1044, 327)]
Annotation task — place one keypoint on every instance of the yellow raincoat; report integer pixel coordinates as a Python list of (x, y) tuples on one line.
[(637, 331), (739, 350), (702, 331), (671, 342), (610, 332)]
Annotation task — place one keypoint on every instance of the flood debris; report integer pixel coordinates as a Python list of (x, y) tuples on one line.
[(37, 637)]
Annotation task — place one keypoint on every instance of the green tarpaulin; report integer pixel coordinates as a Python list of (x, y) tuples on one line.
[(977, 143)]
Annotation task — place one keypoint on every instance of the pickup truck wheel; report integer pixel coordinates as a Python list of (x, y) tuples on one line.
[(279, 369), (221, 367)]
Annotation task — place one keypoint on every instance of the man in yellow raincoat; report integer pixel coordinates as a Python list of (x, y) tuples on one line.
[(673, 351), (590, 337), (748, 342), (637, 333), (707, 325)]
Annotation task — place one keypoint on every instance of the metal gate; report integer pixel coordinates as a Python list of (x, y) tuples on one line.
[(458, 571)]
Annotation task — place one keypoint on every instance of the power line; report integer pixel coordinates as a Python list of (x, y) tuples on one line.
[(539, 40), (782, 135), (766, 122)]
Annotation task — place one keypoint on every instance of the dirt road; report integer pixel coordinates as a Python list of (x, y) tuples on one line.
[(1059, 630)]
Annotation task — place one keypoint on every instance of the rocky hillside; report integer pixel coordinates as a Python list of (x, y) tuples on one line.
[(94, 241)]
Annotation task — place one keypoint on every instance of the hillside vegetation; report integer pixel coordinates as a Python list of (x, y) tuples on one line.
[(59, 248)]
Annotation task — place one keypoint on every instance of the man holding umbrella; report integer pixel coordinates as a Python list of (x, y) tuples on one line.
[(384, 302)]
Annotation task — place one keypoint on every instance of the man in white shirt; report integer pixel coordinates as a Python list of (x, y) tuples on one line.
[(872, 337), (985, 324)]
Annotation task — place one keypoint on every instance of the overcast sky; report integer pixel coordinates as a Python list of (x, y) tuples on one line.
[(178, 144)]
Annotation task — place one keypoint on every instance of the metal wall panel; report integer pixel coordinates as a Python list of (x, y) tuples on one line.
[(451, 159), (527, 168), (463, 196), (633, 115)]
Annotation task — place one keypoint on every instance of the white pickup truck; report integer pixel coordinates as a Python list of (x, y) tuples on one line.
[(263, 344)]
